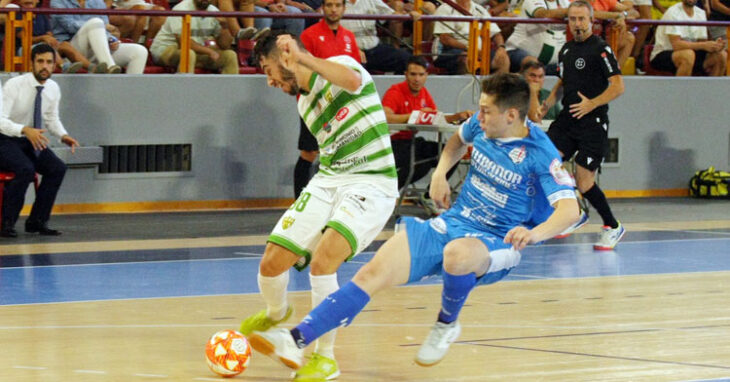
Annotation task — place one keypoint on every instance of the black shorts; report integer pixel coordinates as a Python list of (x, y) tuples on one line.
[(587, 136), (663, 61), (307, 141)]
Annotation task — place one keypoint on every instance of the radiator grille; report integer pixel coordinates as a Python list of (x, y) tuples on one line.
[(146, 158)]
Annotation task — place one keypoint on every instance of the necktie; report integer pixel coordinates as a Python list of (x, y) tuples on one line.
[(37, 117)]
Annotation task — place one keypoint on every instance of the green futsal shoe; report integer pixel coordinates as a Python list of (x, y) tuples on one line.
[(318, 369), (260, 322)]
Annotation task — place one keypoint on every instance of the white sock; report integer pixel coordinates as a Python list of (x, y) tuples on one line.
[(273, 290), (323, 286)]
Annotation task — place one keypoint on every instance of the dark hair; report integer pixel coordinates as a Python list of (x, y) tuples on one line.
[(267, 46), (531, 64), (510, 90), (417, 60), (584, 4), (41, 48)]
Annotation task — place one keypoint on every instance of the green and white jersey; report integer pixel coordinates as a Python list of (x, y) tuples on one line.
[(351, 130)]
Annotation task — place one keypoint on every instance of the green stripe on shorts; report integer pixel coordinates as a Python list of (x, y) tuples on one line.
[(291, 246), (347, 233)]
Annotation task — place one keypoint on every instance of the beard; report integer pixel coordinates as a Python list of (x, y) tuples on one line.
[(42, 75), (288, 77)]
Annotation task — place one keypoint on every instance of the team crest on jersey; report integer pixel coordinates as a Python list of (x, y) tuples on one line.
[(560, 174), (518, 154), (342, 113), (328, 95), (438, 225), (580, 63), (287, 222), (327, 127)]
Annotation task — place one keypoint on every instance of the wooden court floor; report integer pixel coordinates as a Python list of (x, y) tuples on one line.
[(622, 325)]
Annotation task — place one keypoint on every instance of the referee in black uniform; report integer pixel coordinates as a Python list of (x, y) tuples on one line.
[(591, 79)]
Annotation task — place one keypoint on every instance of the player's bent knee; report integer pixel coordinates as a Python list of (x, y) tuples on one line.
[(276, 260)]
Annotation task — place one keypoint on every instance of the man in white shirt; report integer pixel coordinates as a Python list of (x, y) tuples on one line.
[(29, 109), (685, 49), (538, 42), (210, 44), (452, 37), (374, 54)]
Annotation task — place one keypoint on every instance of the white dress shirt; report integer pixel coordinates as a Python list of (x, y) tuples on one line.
[(364, 30), (18, 101)]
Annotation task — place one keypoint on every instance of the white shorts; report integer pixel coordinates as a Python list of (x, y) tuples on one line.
[(642, 2), (358, 212)]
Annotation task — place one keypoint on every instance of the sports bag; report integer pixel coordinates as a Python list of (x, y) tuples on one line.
[(710, 184)]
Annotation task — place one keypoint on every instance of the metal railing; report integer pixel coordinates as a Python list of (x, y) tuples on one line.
[(477, 59)]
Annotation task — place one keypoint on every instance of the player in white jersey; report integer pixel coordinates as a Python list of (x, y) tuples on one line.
[(349, 200), (516, 193)]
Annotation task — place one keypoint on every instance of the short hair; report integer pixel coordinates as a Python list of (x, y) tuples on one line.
[(41, 48), (417, 60), (531, 64), (584, 4), (510, 90), (266, 47)]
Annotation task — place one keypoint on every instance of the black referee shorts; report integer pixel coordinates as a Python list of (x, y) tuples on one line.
[(587, 136), (307, 141)]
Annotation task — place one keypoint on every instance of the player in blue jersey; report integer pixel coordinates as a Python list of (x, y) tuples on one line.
[(516, 193)]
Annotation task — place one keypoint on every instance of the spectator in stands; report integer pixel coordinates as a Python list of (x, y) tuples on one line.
[(644, 9), (719, 11), (617, 13), (249, 31), (452, 40), (210, 43), (94, 37), (42, 32), (292, 26), (685, 49), (30, 108), (374, 54), (428, 7), (538, 42), (324, 39), (399, 102), (134, 26), (534, 74)]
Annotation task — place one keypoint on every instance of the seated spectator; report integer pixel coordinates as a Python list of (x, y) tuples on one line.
[(502, 8), (210, 43), (538, 42), (452, 40), (42, 32), (92, 35), (534, 74), (248, 32), (328, 38), (685, 49), (293, 26), (399, 102), (617, 12), (134, 26), (375, 55), (719, 11), (401, 7)]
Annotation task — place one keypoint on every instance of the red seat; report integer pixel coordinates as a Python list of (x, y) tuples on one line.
[(6, 176)]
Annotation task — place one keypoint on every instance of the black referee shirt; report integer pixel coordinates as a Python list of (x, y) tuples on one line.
[(585, 67)]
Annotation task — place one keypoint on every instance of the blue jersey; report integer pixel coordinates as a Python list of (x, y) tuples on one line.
[(511, 181)]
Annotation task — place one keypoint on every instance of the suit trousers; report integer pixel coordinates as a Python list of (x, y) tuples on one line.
[(17, 155)]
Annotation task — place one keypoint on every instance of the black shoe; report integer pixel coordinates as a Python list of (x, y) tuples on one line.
[(8, 232), (41, 229)]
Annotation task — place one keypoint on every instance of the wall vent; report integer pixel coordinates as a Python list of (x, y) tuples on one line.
[(146, 158)]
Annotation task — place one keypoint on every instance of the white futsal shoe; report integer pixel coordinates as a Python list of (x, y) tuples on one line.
[(437, 343), (279, 345)]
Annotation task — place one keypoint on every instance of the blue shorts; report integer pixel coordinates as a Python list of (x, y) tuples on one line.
[(427, 239)]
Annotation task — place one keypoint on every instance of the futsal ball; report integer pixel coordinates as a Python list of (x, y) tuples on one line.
[(228, 353)]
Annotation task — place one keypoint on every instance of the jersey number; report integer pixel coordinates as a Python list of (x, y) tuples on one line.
[(301, 202)]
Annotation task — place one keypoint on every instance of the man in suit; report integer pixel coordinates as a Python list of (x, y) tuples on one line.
[(29, 110)]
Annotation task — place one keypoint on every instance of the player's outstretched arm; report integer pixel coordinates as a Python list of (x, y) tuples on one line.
[(566, 213), (440, 190)]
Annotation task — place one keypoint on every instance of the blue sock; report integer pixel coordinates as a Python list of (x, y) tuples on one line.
[(453, 297), (338, 309)]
